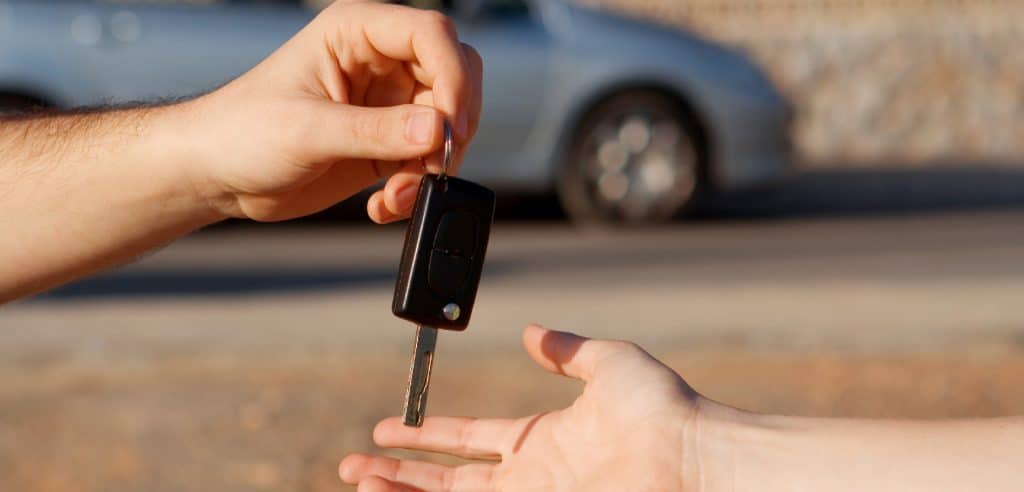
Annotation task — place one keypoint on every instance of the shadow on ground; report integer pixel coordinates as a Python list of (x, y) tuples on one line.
[(872, 192), (814, 193), (839, 191), (131, 284)]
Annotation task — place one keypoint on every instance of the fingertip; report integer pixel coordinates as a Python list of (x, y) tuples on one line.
[(348, 469), (384, 430), (473, 58), (377, 210), (400, 192), (475, 99), (552, 349), (534, 337), (433, 163), (462, 126), (532, 334), (535, 334)]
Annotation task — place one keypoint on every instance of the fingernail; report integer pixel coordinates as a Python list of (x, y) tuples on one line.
[(382, 215), (406, 198), (433, 162), (462, 126), (420, 127)]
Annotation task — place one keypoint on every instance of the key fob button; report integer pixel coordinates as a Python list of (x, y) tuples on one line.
[(456, 233), (447, 273)]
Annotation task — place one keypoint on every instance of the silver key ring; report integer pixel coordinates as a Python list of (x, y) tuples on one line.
[(449, 149)]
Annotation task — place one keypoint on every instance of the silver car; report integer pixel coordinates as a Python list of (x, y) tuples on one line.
[(627, 121)]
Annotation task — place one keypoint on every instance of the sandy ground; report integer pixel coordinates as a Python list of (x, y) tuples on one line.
[(284, 425)]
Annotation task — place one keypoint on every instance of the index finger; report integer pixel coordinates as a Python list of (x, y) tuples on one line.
[(424, 38), (459, 436)]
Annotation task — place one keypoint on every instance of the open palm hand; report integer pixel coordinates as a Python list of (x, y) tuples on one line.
[(632, 408)]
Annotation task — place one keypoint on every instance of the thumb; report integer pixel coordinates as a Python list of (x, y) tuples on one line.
[(568, 354), (392, 133), (586, 359)]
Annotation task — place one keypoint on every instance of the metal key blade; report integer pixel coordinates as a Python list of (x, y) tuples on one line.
[(419, 375)]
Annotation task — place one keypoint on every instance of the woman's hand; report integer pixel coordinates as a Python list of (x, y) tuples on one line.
[(359, 94), (632, 428)]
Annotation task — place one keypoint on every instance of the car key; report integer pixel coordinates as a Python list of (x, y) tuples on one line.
[(445, 244)]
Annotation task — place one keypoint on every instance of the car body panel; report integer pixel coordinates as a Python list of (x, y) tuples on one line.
[(88, 53), (515, 94), (545, 69)]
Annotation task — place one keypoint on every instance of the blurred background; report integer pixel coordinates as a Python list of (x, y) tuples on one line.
[(804, 207)]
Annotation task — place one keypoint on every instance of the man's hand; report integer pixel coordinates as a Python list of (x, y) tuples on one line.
[(358, 95), (632, 428)]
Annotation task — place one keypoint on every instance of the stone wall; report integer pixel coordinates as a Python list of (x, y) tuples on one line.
[(879, 81)]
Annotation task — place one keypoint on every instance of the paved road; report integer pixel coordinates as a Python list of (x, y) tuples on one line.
[(851, 283), (253, 358)]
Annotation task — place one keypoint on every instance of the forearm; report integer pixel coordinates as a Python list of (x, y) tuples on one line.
[(82, 192), (744, 451)]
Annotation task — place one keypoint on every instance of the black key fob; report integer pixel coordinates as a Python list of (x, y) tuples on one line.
[(443, 257)]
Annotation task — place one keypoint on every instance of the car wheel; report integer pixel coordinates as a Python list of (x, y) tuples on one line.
[(635, 159)]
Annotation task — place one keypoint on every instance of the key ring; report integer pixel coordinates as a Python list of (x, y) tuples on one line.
[(449, 149), (449, 152)]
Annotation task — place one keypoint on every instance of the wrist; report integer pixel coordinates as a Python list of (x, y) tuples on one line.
[(727, 447), (185, 136)]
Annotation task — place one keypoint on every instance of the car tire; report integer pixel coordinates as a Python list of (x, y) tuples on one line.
[(636, 159)]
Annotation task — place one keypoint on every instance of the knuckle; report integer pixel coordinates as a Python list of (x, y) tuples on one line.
[(439, 22), (371, 127), (293, 138), (392, 469), (473, 56), (347, 4), (465, 437), (449, 478), (626, 346), (336, 9)]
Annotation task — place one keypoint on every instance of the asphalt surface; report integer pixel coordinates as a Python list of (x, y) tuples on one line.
[(853, 258), (915, 280)]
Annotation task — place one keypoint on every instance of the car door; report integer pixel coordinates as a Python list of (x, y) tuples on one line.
[(515, 47), (141, 51)]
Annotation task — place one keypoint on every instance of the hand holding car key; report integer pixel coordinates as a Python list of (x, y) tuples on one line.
[(443, 257)]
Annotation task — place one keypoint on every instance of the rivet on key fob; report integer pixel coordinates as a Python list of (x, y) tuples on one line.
[(442, 260)]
